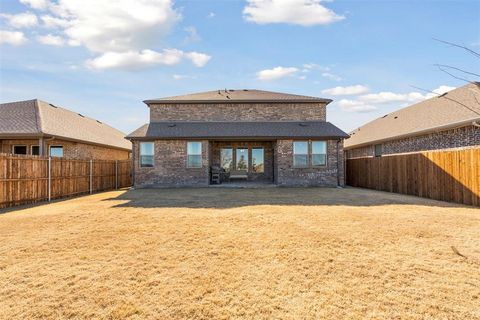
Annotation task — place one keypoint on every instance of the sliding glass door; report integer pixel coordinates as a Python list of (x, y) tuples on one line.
[(242, 159)]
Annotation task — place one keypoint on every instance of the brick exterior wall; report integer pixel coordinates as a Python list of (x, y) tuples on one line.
[(464, 137), (170, 166), (325, 176), (238, 112), (71, 150), (267, 175)]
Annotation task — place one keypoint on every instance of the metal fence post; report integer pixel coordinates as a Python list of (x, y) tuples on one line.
[(116, 174), (49, 179), (91, 176)]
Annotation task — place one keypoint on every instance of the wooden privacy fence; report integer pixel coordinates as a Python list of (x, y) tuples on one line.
[(27, 179), (452, 176)]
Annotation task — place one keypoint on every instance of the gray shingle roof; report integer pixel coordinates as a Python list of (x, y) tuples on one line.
[(458, 106), (239, 130), (235, 96), (36, 117)]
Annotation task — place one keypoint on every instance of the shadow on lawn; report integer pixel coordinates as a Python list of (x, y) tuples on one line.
[(231, 198)]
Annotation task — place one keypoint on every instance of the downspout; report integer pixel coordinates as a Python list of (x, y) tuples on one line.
[(45, 147), (338, 164)]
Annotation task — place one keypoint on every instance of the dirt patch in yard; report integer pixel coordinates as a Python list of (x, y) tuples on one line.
[(241, 253)]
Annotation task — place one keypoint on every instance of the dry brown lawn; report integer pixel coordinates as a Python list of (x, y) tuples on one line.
[(240, 253)]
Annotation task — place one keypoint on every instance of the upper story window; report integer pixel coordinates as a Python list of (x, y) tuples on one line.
[(319, 153), (300, 154), (194, 154), (19, 150), (147, 152), (378, 150), (56, 151)]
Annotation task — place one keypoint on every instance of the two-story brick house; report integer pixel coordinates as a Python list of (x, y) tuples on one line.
[(253, 135)]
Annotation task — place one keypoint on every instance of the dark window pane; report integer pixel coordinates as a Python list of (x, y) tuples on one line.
[(378, 150), (35, 150), (19, 149), (300, 160), (146, 161), (319, 159), (226, 159), (242, 159), (258, 160), (194, 161), (56, 151)]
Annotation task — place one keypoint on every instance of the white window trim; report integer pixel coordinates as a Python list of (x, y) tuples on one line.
[(140, 155), (326, 154), (200, 154), (19, 145)]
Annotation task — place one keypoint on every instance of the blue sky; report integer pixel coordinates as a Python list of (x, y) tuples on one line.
[(103, 58)]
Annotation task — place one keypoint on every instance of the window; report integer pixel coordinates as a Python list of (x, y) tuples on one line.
[(194, 154), (147, 152), (378, 150), (19, 150), (242, 159), (257, 160), (56, 151), (319, 153), (35, 150), (300, 154), (226, 159)]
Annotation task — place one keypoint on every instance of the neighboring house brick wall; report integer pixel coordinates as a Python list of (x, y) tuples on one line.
[(288, 175), (238, 112), (170, 166), (468, 136), (71, 150)]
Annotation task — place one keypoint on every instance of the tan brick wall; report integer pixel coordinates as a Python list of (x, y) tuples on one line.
[(238, 112), (449, 139), (170, 166), (325, 176), (71, 150)]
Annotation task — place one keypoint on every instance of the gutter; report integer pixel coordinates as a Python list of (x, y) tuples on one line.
[(454, 125)]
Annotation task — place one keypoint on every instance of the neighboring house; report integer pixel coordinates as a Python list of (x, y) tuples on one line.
[(254, 135), (449, 121), (36, 127)]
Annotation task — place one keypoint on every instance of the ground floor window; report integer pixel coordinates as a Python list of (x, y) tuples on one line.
[(56, 151), (35, 150), (194, 154), (242, 159), (319, 153), (147, 152), (19, 150), (300, 154), (378, 150), (258, 160), (226, 159)]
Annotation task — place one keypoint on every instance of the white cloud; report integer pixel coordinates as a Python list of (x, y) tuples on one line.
[(211, 15), (355, 106), (276, 73), (21, 20), (346, 91), (53, 22), (442, 89), (301, 12), (132, 60), (14, 38), (128, 34), (36, 4), (198, 59), (51, 40), (182, 76), (411, 97), (331, 76), (193, 35)]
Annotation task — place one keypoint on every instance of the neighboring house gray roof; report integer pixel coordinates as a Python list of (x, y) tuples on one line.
[(240, 130), (39, 118), (239, 96), (456, 108)]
